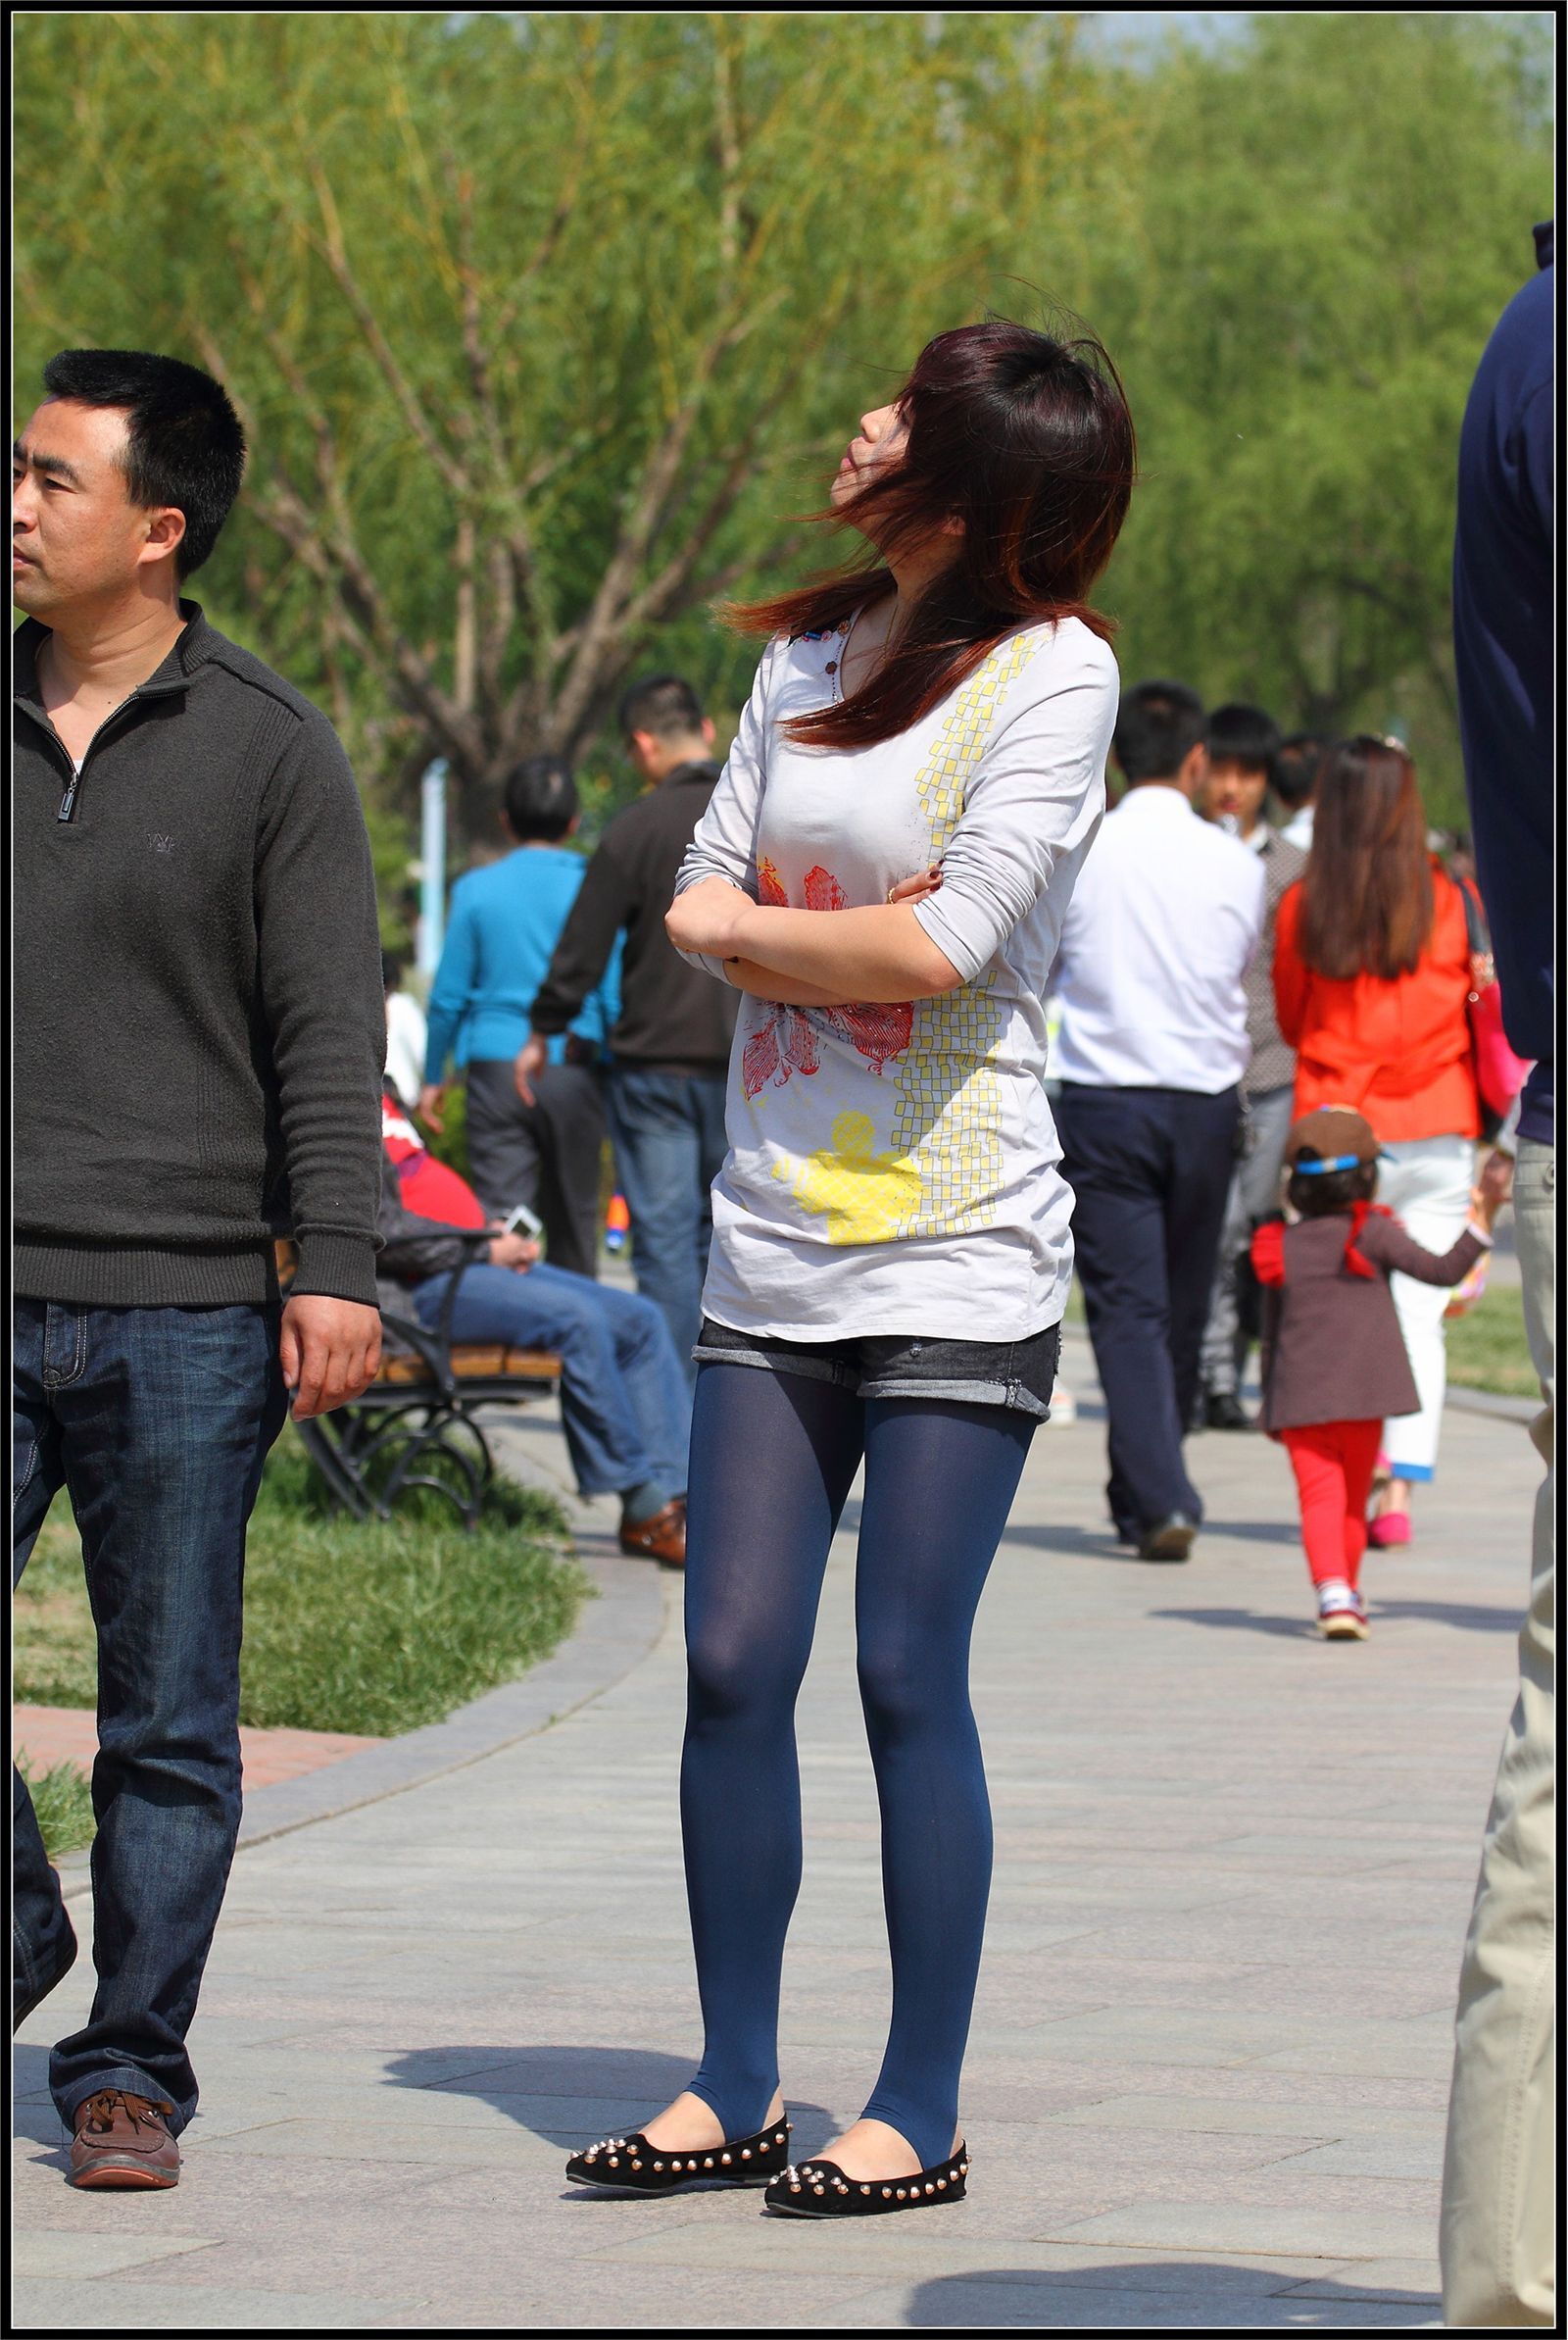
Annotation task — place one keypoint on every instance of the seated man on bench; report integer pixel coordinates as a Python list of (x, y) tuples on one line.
[(624, 1401)]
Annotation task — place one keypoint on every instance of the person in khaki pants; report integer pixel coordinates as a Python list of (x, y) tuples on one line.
[(1499, 2179), (1500, 2173)]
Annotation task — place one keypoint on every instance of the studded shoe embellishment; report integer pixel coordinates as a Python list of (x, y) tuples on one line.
[(630, 2165), (820, 2190)]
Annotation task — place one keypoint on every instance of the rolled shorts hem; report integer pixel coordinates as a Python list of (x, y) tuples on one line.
[(1013, 1396)]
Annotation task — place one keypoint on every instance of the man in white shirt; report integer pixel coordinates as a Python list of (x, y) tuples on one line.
[(1162, 925)]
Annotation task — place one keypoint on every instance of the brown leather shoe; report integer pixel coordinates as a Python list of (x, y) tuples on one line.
[(123, 2141), (662, 1537)]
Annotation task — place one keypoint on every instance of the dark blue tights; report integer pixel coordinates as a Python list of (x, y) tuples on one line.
[(774, 1456)]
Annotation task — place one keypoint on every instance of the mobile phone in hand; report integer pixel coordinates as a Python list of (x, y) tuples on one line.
[(520, 1220)]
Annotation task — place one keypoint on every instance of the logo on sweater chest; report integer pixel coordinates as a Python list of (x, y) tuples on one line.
[(162, 845)]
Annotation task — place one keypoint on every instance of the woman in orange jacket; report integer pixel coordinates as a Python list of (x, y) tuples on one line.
[(1371, 986)]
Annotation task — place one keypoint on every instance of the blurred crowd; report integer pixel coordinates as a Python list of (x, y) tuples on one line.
[(1267, 929)]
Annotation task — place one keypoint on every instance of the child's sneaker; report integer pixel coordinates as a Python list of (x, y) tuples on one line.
[(1341, 1613)]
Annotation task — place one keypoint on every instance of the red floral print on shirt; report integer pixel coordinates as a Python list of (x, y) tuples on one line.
[(788, 1041)]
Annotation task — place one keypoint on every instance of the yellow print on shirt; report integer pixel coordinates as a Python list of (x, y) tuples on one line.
[(862, 1195), (948, 1114), (943, 1172), (957, 747)]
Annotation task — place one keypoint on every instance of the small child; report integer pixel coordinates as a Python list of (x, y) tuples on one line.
[(1334, 1360)]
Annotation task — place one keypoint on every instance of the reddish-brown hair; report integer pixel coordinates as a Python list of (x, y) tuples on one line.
[(1026, 441), (1366, 899)]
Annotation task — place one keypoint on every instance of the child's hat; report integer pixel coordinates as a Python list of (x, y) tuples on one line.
[(1334, 1139)]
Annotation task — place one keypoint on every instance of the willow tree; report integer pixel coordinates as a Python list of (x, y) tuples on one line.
[(1332, 212), (541, 326)]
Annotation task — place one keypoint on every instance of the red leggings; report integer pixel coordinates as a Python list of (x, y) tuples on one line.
[(1334, 1462)]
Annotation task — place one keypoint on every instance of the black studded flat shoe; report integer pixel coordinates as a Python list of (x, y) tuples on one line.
[(631, 2165), (820, 2190)]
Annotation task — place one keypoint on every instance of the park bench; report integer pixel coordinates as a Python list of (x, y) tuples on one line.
[(415, 1425)]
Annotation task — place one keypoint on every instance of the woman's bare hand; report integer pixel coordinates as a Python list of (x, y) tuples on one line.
[(916, 888)]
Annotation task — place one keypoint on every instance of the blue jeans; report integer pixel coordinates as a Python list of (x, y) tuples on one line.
[(668, 1130), (158, 1421), (625, 1405)]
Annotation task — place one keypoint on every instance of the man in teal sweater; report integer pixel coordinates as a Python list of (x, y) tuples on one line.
[(506, 920)]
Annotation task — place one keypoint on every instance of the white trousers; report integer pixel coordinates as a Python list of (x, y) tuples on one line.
[(1425, 1182)]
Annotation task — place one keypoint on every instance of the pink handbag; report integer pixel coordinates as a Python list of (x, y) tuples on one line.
[(1499, 1073)]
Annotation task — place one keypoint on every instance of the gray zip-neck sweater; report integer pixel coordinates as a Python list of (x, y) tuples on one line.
[(199, 1028)]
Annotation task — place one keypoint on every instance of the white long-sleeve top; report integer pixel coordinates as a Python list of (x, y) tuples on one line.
[(894, 1168), (1155, 951)]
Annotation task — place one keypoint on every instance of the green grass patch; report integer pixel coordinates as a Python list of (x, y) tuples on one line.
[(1488, 1349), (367, 1626), (63, 1803)]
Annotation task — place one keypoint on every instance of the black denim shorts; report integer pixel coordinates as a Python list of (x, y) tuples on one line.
[(1019, 1374)]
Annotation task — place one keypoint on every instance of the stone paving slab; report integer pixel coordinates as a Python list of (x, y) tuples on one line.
[(50, 1735), (1210, 2051)]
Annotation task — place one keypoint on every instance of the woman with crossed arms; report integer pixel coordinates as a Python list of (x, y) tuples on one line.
[(890, 1190)]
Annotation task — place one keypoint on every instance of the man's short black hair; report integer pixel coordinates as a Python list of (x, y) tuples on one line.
[(186, 447), (1157, 727), (665, 705), (541, 800), (1243, 735), (1297, 762)]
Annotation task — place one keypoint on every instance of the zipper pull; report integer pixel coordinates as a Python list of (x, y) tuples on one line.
[(67, 802)]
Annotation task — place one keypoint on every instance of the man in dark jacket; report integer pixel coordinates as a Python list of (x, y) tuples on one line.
[(670, 1045), (1498, 2189), (199, 1043)]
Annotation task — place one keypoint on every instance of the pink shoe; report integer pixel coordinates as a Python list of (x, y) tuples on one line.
[(1387, 1529)]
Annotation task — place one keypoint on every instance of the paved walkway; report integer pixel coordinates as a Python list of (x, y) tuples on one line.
[(50, 1735), (1210, 2051)]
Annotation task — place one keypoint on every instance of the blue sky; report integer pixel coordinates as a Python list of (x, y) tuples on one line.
[(1134, 28)]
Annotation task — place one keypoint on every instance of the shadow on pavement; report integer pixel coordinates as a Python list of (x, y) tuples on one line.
[(1244, 1621), (1200, 2299), (598, 2091), (1254, 1531), (1463, 1615), (37, 2121), (1085, 1543)]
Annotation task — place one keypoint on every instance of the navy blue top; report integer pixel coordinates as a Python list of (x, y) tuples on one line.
[(1502, 635)]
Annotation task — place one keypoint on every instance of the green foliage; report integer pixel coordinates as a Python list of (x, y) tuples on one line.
[(543, 323), (61, 1801), (373, 1627), (1332, 217), (1488, 1349), (450, 1143), (546, 325)]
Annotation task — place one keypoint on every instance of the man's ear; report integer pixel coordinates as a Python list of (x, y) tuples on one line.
[(165, 532), (708, 732), (1194, 771)]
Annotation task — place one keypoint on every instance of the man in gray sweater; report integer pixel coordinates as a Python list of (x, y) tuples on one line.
[(197, 1048)]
